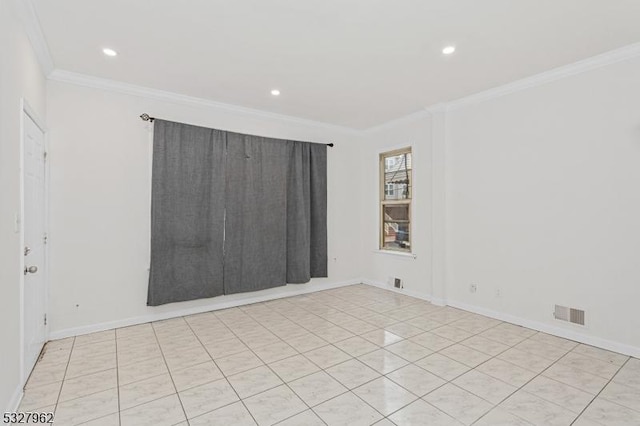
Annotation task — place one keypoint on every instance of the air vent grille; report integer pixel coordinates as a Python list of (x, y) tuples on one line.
[(572, 315)]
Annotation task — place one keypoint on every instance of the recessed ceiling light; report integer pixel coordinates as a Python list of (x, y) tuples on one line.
[(109, 52), (448, 50), (275, 92)]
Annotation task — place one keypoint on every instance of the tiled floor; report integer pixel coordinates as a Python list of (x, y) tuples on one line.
[(356, 355)]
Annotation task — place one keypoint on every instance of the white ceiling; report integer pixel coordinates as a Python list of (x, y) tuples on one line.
[(355, 63)]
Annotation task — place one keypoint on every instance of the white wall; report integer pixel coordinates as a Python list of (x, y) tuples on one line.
[(379, 266), (20, 77), (543, 203), (100, 201)]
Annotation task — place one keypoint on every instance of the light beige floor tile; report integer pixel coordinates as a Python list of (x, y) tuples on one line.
[(275, 352), (327, 356), (608, 413), (87, 408), (525, 360), (186, 358), (237, 363), (317, 388), (579, 379), (501, 417), (536, 410), (601, 354), (416, 379), (41, 396), (451, 333), (274, 405), (234, 414), (352, 373), (541, 349), (223, 348), (196, 375), (442, 366), (87, 365), (208, 397), (145, 390), (356, 346), (485, 345), (306, 418), (85, 385), (293, 368), (409, 350), (559, 393), (92, 349), (101, 336), (404, 330), (431, 341), (465, 355), (385, 395), (421, 413), (458, 403), (507, 372), (110, 420), (629, 375), (46, 375), (383, 361), (166, 411), (306, 342), (142, 370), (505, 337), (381, 337), (347, 410), (560, 342), (590, 365), (484, 386), (254, 381), (334, 334), (54, 356), (622, 395)]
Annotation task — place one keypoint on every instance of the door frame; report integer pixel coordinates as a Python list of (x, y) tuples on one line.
[(26, 109)]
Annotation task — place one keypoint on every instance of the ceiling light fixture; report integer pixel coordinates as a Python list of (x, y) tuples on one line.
[(275, 92), (109, 52), (448, 50)]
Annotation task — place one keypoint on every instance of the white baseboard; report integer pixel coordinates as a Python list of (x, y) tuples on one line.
[(550, 329), (221, 302), (534, 325), (417, 295), (15, 400)]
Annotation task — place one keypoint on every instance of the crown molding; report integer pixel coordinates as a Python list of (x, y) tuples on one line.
[(177, 98), (608, 58), (27, 14), (422, 113)]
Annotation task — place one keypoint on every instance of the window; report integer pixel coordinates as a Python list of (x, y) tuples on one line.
[(395, 200)]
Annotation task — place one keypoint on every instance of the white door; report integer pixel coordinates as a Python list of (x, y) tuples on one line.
[(34, 240)]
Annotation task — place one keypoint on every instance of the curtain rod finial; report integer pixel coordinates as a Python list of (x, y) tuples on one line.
[(146, 117)]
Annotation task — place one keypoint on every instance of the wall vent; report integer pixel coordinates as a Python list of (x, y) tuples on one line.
[(572, 315)]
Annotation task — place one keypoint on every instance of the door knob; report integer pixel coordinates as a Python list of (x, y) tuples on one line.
[(30, 270)]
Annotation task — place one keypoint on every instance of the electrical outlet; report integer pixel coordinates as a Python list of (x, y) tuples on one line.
[(498, 292), (473, 288), (397, 283)]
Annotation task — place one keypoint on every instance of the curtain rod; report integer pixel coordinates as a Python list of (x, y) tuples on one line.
[(147, 117)]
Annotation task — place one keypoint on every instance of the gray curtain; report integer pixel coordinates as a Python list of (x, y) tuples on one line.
[(187, 213), (256, 219), (233, 213), (306, 212)]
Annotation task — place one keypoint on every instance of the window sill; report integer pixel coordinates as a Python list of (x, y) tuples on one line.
[(396, 253)]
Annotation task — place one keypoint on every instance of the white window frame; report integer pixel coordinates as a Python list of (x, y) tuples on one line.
[(382, 203)]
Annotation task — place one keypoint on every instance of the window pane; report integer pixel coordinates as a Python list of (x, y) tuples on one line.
[(397, 177), (395, 227)]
